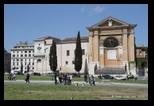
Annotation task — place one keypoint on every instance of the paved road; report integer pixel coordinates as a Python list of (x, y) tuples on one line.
[(81, 83)]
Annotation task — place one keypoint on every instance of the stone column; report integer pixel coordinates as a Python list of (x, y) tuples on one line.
[(131, 45), (125, 45), (90, 48), (95, 48)]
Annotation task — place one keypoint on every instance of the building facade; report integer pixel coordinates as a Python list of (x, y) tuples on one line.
[(139, 52), (111, 46), (108, 49), (7, 61), (65, 53), (22, 54)]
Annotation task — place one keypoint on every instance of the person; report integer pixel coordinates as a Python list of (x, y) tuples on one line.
[(93, 80), (12, 71), (70, 79), (60, 79), (14, 77), (85, 78), (27, 78), (65, 78), (57, 78), (10, 76)]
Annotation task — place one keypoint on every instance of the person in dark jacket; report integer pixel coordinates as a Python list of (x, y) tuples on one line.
[(27, 78)]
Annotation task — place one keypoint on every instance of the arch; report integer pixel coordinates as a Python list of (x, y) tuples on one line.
[(111, 42), (39, 60)]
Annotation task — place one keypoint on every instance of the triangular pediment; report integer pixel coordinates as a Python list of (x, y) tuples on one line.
[(110, 21)]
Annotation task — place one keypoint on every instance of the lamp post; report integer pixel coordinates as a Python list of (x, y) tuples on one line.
[(52, 64), (118, 59)]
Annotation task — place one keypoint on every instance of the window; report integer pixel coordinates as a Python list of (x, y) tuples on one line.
[(13, 55), (66, 62), (29, 55), (33, 63), (21, 60), (25, 63), (25, 51), (17, 55), (73, 62), (67, 53), (21, 55), (83, 51), (29, 51), (111, 42), (25, 55)]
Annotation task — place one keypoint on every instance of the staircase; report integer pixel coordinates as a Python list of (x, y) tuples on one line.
[(111, 70)]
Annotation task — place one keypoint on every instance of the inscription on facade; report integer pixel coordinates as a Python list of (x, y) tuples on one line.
[(111, 54)]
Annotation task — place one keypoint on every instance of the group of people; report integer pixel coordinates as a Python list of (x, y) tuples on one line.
[(91, 79), (12, 76), (64, 78)]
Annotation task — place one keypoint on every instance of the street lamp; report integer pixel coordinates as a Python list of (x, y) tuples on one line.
[(118, 59), (52, 65)]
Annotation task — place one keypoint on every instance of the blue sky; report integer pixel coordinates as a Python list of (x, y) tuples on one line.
[(26, 22)]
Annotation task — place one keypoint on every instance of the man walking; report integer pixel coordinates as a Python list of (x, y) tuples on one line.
[(27, 78)]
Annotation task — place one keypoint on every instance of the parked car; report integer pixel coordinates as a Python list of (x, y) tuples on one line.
[(36, 74), (6, 73), (51, 74), (106, 76), (75, 75), (119, 77), (130, 76), (17, 72)]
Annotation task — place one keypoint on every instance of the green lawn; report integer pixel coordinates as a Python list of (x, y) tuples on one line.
[(22, 77), (65, 92)]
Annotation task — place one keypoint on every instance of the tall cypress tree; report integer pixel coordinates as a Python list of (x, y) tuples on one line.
[(21, 68), (78, 54), (53, 59), (28, 67)]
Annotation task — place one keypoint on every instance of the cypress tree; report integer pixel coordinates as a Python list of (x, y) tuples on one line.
[(53, 59), (78, 54), (28, 67), (21, 68)]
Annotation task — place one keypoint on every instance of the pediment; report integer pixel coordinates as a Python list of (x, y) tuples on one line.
[(110, 21)]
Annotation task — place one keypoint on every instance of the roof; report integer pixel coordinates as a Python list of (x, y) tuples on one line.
[(83, 38), (122, 23), (139, 47), (47, 37)]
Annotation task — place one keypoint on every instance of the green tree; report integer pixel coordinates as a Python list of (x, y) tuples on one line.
[(53, 59), (28, 67), (78, 54), (21, 68)]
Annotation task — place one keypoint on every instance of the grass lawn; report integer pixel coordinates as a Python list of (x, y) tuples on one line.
[(22, 77), (65, 92)]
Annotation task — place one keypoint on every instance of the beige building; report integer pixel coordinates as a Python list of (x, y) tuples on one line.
[(139, 52), (111, 46), (108, 49)]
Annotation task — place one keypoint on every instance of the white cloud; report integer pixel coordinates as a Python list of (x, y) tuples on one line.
[(93, 11)]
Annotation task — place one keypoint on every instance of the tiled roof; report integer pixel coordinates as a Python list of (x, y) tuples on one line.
[(74, 38)]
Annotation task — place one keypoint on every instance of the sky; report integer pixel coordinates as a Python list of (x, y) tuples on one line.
[(27, 22)]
